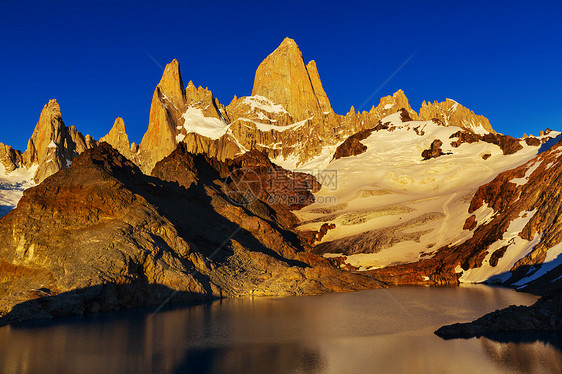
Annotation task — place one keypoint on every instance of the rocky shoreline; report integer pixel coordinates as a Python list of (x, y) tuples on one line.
[(543, 316)]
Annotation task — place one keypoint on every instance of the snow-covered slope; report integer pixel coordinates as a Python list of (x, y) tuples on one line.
[(521, 244), (12, 186), (391, 206)]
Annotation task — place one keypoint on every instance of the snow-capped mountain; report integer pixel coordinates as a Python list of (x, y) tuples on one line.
[(288, 116), (391, 206), (52, 147), (428, 197)]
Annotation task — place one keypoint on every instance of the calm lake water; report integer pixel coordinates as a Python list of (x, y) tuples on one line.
[(378, 331)]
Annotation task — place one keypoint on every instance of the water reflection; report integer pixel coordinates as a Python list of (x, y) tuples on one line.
[(390, 330)]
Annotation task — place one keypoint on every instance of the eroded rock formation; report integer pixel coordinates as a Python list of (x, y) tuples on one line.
[(10, 158)]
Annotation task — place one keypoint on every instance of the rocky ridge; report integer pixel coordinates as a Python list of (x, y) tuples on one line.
[(449, 112), (543, 316), (288, 116), (102, 235)]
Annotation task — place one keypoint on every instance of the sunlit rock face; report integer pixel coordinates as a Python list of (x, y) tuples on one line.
[(451, 113), (284, 78), (288, 116), (10, 158), (117, 137), (53, 145), (176, 115)]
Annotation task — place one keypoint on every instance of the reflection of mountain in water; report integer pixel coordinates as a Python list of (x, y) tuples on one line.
[(253, 358), (523, 352)]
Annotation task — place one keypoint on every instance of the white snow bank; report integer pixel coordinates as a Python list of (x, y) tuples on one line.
[(528, 173), (552, 260), (263, 103), (517, 248), (195, 121), (12, 186)]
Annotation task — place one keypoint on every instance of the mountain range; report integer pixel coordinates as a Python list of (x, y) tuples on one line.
[(272, 194)]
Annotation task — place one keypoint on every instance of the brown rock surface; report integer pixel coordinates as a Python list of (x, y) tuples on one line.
[(352, 146), (470, 223), (532, 141), (545, 315), (434, 151), (508, 144)]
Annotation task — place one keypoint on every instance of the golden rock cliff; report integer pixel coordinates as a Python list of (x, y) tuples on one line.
[(53, 146), (451, 113), (175, 114), (284, 79), (168, 102), (118, 138)]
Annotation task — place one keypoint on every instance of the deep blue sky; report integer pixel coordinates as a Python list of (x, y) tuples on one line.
[(502, 60)]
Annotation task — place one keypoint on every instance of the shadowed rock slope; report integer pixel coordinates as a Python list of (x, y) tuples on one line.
[(101, 235)]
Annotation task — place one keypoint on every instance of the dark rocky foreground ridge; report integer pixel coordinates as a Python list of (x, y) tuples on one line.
[(543, 316), (101, 235)]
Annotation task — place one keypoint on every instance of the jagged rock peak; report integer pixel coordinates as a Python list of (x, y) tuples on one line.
[(284, 78), (53, 146), (48, 129), (289, 43), (171, 84), (52, 107), (117, 137), (451, 113), (10, 158), (317, 85), (168, 104), (172, 109), (392, 104)]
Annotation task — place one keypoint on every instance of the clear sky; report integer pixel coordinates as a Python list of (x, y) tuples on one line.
[(101, 60)]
